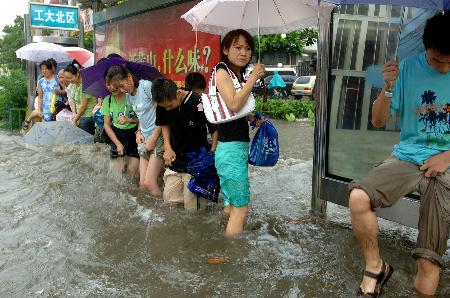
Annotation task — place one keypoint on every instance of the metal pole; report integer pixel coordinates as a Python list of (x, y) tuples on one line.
[(390, 93), (402, 21), (96, 7), (81, 28), (30, 66), (319, 206)]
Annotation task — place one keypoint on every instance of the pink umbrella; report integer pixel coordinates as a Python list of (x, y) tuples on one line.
[(83, 56)]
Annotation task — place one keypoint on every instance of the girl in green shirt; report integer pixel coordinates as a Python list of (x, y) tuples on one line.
[(120, 123), (84, 103)]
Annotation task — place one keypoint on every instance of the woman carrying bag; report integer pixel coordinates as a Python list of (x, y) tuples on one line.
[(232, 149)]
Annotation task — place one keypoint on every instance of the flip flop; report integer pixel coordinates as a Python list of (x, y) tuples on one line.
[(382, 278)]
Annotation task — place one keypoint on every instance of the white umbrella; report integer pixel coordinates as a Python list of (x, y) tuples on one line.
[(255, 16), (40, 51)]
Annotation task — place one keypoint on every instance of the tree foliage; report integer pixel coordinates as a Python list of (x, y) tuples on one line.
[(12, 39), (118, 2), (88, 40), (13, 82), (292, 43), (88, 4), (13, 91), (278, 108)]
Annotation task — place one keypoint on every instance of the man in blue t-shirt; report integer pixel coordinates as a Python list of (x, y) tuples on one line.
[(419, 163)]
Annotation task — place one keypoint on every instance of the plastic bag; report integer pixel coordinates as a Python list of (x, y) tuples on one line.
[(204, 182), (64, 115), (52, 103), (264, 151), (201, 163), (208, 188)]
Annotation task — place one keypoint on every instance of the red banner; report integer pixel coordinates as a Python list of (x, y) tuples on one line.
[(161, 38)]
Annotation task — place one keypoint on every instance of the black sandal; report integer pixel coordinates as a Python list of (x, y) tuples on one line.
[(382, 278)]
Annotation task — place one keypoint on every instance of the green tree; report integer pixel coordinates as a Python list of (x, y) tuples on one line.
[(113, 3), (13, 83), (89, 41), (12, 40), (293, 43), (13, 91), (88, 4)]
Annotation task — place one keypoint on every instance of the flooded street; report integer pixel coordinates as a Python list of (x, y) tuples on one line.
[(69, 227)]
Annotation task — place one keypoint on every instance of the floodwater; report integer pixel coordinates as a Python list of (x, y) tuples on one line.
[(69, 227)]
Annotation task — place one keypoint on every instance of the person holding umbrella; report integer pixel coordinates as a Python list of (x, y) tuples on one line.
[(232, 149), (419, 163)]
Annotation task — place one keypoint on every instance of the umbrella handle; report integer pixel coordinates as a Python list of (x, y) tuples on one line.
[(390, 93), (259, 33)]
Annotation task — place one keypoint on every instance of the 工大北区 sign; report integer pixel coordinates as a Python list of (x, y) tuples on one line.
[(54, 16)]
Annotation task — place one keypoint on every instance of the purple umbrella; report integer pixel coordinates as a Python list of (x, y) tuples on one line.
[(94, 80), (433, 4)]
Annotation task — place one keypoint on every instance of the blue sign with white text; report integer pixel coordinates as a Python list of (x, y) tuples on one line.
[(54, 16)]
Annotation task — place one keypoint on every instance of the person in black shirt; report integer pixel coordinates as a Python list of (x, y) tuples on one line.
[(183, 122), (233, 137), (195, 82)]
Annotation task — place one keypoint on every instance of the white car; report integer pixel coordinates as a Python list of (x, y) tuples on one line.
[(303, 86)]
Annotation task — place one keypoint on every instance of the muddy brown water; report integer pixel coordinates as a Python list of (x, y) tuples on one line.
[(69, 227)]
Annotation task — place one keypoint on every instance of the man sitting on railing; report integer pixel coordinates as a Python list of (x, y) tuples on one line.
[(419, 163)]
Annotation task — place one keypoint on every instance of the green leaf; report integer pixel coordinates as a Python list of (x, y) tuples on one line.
[(311, 117), (290, 117)]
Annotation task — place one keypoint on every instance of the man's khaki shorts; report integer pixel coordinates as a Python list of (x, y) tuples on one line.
[(176, 190), (394, 179), (158, 151)]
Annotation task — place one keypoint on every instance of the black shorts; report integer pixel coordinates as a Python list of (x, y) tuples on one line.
[(128, 139), (87, 124)]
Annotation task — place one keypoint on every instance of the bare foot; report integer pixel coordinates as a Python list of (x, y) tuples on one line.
[(225, 213)]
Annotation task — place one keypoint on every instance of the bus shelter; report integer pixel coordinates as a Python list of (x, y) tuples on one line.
[(355, 42)]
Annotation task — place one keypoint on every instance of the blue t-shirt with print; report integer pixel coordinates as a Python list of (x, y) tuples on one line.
[(144, 107), (422, 97)]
